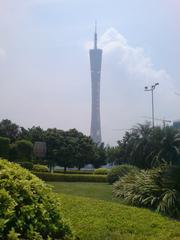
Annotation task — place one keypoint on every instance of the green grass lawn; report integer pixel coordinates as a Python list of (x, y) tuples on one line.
[(101, 191), (96, 219)]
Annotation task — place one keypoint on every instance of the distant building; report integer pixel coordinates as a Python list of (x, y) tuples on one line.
[(39, 149), (95, 64), (176, 124)]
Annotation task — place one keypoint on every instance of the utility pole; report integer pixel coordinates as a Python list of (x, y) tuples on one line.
[(151, 89)]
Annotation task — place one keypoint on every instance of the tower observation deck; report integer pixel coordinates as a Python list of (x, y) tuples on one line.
[(95, 64)]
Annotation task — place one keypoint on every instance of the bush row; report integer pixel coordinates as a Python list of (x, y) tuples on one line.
[(75, 171), (44, 168), (57, 177), (34, 167), (101, 171)]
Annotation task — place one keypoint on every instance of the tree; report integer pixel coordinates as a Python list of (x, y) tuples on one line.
[(142, 145), (146, 147), (66, 153), (9, 130), (85, 152), (169, 150), (66, 156), (54, 139), (100, 156), (115, 155), (13, 154), (24, 150), (4, 147), (36, 134)]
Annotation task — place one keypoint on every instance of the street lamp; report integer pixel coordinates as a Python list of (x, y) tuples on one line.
[(152, 88)]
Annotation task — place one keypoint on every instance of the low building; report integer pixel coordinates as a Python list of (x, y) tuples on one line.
[(176, 124)]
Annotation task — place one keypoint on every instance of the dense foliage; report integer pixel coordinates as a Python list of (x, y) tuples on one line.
[(63, 148), (9, 130), (157, 189), (147, 147), (119, 171), (142, 146), (29, 210)]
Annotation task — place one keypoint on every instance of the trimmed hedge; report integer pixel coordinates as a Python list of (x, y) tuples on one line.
[(40, 168), (75, 171), (101, 171), (28, 208), (57, 177)]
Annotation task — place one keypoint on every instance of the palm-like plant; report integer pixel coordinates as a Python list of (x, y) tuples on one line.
[(142, 145), (157, 189), (146, 147), (169, 147)]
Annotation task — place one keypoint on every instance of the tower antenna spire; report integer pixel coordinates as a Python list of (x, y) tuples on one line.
[(95, 36)]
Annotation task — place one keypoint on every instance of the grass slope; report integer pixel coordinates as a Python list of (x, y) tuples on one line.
[(95, 219), (102, 220)]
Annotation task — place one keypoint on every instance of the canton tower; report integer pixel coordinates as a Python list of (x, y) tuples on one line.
[(95, 64)]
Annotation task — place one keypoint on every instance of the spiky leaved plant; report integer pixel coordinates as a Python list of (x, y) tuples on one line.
[(119, 171), (157, 189)]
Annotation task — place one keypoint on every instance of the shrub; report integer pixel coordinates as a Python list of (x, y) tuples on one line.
[(57, 177), (28, 207), (4, 147), (101, 171), (27, 165), (40, 168), (157, 189), (119, 171)]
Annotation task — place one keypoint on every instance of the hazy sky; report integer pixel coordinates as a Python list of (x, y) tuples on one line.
[(44, 62)]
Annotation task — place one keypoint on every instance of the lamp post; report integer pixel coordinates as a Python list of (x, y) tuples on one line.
[(152, 88)]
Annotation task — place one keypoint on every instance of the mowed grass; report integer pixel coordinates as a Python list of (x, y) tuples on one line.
[(96, 219), (101, 191), (102, 220)]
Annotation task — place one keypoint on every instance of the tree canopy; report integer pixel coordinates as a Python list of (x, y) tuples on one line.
[(146, 147), (64, 148)]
